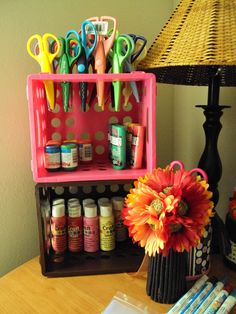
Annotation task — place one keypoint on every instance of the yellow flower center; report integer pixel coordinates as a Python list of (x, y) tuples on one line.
[(157, 205), (182, 208), (167, 189)]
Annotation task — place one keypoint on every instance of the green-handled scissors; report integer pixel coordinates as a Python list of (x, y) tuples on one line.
[(70, 49), (122, 48)]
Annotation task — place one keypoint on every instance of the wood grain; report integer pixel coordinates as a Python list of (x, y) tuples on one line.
[(25, 290)]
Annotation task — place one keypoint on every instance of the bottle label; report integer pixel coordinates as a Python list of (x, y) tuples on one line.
[(52, 160), (107, 233), (75, 234), (91, 236), (120, 229), (58, 230), (70, 158), (85, 152)]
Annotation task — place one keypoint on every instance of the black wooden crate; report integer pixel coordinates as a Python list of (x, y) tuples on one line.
[(126, 257)]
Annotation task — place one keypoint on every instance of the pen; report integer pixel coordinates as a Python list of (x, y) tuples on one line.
[(209, 297), (228, 304), (182, 302), (218, 300), (198, 297)]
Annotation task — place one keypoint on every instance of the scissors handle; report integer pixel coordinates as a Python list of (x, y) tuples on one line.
[(142, 43), (88, 46), (121, 52), (44, 57), (73, 50)]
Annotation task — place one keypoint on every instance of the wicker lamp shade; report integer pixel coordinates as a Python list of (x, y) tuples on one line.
[(199, 35)]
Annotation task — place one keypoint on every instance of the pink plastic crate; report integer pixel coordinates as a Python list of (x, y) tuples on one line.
[(93, 124)]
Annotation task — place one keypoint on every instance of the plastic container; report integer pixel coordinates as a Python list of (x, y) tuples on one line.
[(58, 125), (91, 228)]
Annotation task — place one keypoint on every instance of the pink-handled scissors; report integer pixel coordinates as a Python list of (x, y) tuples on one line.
[(104, 44)]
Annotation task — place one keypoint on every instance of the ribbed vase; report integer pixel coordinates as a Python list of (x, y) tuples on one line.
[(166, 277)]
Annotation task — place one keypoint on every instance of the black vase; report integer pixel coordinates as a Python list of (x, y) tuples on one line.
[(166, 277)]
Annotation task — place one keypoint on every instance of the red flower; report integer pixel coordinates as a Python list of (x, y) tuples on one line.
[(168, 209)]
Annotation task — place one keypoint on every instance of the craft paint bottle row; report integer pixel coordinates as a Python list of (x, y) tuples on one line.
[(91, 227)]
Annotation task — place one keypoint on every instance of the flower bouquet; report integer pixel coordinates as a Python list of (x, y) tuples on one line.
[(166, 213)]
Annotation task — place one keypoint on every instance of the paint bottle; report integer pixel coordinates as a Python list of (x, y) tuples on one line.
[(69, 156), (86, 201), (74, 226), (58, 231), (85, 151), (91, 228), (118, 146), (120, 229), (137, 146), (100, 201), (107, 227), (52, 157)]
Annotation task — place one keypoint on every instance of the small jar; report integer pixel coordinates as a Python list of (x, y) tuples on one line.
[(69, 156), (85, 151), (52, 157)]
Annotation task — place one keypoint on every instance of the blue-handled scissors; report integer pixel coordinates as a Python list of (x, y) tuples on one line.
[(85, 57), (139, 45), (45, 59), (122, 48), (70, 49)]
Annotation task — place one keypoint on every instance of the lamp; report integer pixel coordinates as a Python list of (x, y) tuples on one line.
[(197, 46)]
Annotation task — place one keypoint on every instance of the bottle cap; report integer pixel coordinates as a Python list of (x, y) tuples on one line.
[(74, 210), (58, 210), (106, 209), (103, 200), (88, 201), (90, 210), (72, 201), (117, 202), (57, 201)]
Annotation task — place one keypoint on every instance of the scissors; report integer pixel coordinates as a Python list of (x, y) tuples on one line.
[(131, 87), (84, 59), (121, 50), (45, 59), (70, 49), (104, 44)]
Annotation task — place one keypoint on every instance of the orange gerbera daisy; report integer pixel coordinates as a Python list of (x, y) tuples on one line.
[(168, 209)]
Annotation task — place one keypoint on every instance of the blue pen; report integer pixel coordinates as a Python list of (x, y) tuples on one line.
[(198, 296), (217, 302), (182, 302), (209, 297)]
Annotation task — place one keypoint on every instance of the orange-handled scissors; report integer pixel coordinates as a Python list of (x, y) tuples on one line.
[(104, 44), (45, 59)]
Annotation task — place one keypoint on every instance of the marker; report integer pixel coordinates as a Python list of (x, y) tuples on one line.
[(198, 297), (218, 301), (229, 303), (209, 297), (182, 302)]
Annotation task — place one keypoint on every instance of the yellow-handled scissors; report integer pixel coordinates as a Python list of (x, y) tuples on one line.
[(45, 59)]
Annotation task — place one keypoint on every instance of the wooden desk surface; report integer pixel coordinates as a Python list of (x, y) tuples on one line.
[(25, 290)]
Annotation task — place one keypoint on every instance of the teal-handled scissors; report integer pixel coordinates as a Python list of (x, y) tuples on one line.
[(85, 56), (122, 48), (70, 49), (45, 59)]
